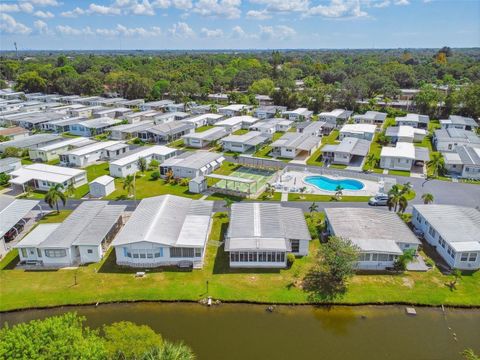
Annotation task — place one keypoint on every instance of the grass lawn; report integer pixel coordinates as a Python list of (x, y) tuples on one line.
[(325, 198), (106, 282), (337, 166), (399, 172), (204, 128), (265, 151), (97, 170), (146, 187), (240, 132), (316, 158), (178, 144)]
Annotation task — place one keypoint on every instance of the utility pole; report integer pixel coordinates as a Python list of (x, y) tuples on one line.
[(16, 49)]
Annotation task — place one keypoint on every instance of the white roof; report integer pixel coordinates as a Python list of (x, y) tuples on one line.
[(92, 148), (202, 117), (234, 120), (66, 142), (103, 180), (455, 224), (264, 226), (99, 122), (147, 151), (37, 235), (413, 118), (358, 128), (374, 230), (44, 172), (168, 220), (334, 113), (233, 107), (401, 150)]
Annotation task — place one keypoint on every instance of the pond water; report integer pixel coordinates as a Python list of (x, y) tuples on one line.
[(238, 331), (325, 183)]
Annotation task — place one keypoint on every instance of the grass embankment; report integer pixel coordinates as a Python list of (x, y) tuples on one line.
[(106, 282), (316, 158)]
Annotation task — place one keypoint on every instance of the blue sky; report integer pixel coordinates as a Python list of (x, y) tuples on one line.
[(237, 24)]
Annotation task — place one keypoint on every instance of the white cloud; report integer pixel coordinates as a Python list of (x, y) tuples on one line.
[(26, 7), (162, 4), (181, 30), (6, 8), (212, 33), (41, 27), (21, 7), (238, 32), (73, 13), (402, 2), (382, 4), (69, 31), (229, 9), (8, 25), (143, 8), (44, 2), (141, 32), (103, 10), (44, 14), (258, 15), (338, 9), (182, 4), (283, 5), (280, 32)]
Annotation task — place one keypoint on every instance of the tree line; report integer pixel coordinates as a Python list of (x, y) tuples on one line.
[(329, 78), (67, 337)]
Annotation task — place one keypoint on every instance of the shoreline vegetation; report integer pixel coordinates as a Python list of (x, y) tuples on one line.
[(105, 282)]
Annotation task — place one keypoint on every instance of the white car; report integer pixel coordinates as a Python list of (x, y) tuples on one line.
[(378, 200)]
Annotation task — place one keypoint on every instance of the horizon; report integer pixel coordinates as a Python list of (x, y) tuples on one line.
[(128, 25)]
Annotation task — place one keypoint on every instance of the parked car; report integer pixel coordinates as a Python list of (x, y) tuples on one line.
[(13, 232), (378, 200)]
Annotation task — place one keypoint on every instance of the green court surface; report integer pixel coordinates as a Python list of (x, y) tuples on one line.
[(260, 177)]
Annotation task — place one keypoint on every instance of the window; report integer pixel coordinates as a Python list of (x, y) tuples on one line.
[(24, 252), (181, 252), (295, 246), (472, 257), (464, 257), (39, 253), (89, 251), (55, 253), (198, 252)]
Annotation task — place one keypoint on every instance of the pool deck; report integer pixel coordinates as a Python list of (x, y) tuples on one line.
[(292, 181)]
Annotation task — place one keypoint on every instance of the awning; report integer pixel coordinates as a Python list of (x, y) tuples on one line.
[(421, 154)]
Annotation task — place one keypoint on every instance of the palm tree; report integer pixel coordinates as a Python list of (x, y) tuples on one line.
[(213, 109), (169, 176), (142, 165), (70, 189), (404, 259), (129, 184), (339, 192), (371, 160), (54, 195), (436, 163), (397, 199), (427, 198), (313, 208)]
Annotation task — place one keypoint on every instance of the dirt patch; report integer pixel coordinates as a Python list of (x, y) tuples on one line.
[(408, 282)]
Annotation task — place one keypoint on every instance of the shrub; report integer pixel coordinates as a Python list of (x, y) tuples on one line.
[(290, 259), (184, 182), (155, 175), (4, 178), (429, 262)]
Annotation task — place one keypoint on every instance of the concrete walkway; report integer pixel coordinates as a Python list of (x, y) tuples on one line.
[(284, 196)]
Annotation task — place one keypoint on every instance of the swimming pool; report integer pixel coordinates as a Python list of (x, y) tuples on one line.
[(325, 183)]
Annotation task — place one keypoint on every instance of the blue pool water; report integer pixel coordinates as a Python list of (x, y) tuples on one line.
[(328, 184)]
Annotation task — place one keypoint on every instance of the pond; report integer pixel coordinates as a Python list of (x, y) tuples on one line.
[(238, 331)]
